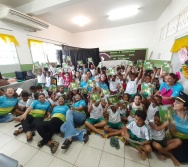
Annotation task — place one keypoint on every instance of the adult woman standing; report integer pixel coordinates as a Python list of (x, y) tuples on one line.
[(169, 89), (7, 104), (180, 127), (33, 116), (46, 129), (74, 117)]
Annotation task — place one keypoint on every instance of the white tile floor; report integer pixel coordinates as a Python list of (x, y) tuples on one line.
[(96, 153)]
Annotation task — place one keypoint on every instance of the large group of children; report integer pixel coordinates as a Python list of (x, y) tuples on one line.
[(134, 116)]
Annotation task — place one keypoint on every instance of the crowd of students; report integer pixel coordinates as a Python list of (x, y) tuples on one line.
[(62, 110)]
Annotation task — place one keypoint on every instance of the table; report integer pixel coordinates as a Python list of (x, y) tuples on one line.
[(25, 85)]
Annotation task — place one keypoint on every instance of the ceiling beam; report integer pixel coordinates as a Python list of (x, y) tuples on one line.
[(37, 7)]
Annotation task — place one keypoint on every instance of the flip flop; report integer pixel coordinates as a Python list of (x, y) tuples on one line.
[(112, 141), (54, 146), (30, 136), (17, 132), (40, 143)]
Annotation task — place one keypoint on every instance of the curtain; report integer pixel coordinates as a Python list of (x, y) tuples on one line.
[(179, 43), (81, 54), (9, 38)]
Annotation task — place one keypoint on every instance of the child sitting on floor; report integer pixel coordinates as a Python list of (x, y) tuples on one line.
[(96, 119), (33, 90), (134, 106), (153, 107), (40, 89), (140, 132), (22, 104), (60, 93), (124, 107), (159, 141), (114, 126), (132, 81)]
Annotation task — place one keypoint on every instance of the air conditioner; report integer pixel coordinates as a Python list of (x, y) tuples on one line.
[(30, 23)]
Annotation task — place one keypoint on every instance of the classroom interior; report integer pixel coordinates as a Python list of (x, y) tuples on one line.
[(155, 28)]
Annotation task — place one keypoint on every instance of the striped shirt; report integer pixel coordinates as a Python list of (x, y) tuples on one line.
[(7, 104), (39, 109)]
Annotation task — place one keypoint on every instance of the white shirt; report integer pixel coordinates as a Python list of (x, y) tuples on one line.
[(151, 112), (59, 94), (97, 111), (52, 69), (114, 117), (41, 78), (45, 93), (22, 103), (60, 81), (92, 72), (48, 81), (113, 85), (142, 132), (131, 87), (71, 67), (29, 101), (157, 135), (160, 80)]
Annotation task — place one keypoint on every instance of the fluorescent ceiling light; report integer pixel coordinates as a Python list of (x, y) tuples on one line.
[(123, 12), (80, 20)]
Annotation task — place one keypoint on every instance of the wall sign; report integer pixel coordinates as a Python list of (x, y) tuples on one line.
[(130, 55)]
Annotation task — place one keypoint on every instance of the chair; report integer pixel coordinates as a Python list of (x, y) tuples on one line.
[(6, 161)]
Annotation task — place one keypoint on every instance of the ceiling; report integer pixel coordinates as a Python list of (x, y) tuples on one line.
[(61, 12), (14, 3)]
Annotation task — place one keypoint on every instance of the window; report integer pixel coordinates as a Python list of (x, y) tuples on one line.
[(8, 53), (41, 50), (164, 32), (183, 21), (172, 26), (178, 23)]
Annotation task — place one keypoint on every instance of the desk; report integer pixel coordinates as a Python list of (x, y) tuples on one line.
[(25, 85)]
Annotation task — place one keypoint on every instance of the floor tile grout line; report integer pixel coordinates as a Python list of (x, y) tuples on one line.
[(78, 155), (63, 160), (30, 158), (51, 161)]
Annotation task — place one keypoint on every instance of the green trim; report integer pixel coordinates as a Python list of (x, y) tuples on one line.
[(26, 67), (9, 74)]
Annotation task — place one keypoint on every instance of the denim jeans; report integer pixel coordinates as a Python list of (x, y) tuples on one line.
[(73, 119), (6, 118)]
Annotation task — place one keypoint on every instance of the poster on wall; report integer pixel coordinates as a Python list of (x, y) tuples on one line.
[(130, 55)]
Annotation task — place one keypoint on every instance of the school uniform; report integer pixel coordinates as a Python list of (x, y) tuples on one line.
[(151, 112), (133, 111), (96, 115), (41, 79), (139, 133), (159, 136), (114, 121)]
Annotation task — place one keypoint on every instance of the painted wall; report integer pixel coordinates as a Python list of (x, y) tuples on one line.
[(126, 37), (164, 46), (52, 34)]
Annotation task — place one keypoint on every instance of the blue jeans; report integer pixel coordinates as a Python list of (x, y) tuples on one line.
[(73, 119), (6, 118)]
